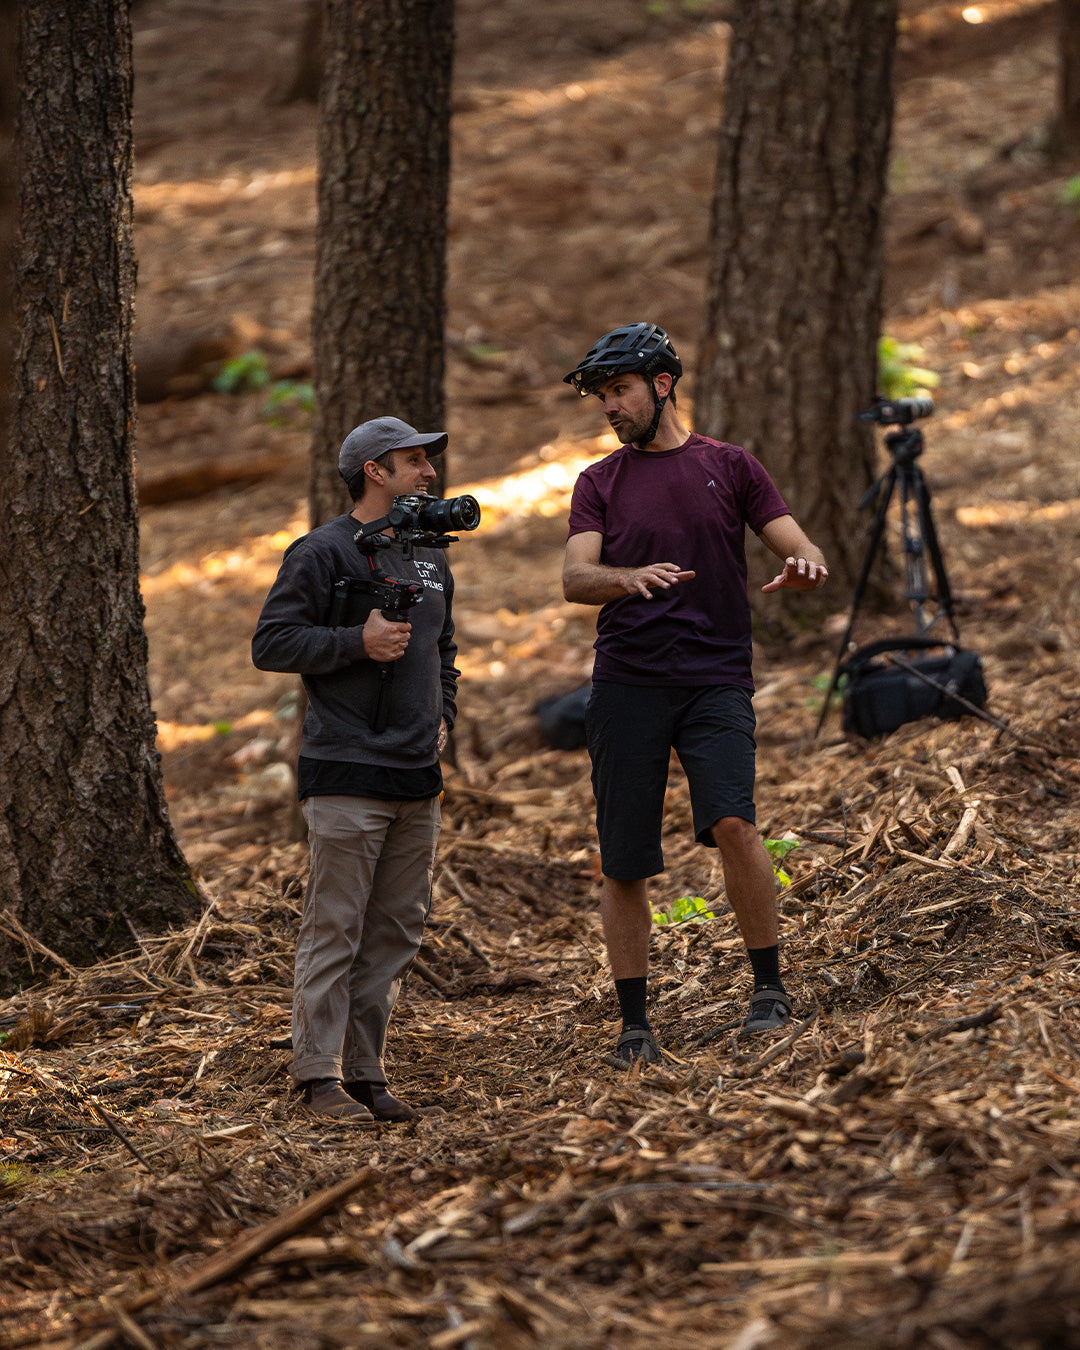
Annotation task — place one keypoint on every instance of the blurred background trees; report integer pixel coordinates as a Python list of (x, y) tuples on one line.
[(379, 316), (793, 311)]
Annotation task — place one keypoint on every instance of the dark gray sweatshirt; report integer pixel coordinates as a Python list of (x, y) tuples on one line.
[(293, 635)]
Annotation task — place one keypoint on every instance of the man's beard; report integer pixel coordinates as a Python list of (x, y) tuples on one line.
[(628, 430)]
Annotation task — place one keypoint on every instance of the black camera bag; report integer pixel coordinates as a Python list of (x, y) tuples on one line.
[(880, 696), (562, 718)]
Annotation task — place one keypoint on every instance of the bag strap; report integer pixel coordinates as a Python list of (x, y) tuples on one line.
[(914, 643)]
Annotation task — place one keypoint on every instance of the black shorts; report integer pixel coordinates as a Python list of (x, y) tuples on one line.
[(632, 730)]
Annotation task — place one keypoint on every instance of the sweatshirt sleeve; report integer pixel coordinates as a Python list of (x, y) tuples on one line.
[(448, 672), (292, 636)]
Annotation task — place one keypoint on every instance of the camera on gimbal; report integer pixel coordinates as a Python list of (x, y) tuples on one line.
[(419, 514), (422, 521), (417, 521)]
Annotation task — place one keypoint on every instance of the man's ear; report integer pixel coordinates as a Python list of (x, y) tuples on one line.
[(662, 383)]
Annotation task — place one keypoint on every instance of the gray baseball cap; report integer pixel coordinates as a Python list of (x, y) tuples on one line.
[(371, 439)]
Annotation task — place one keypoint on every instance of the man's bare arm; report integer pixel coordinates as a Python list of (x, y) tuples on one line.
[(804, 562), (587, 581)]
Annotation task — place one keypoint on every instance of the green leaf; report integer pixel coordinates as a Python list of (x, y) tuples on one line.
[(242, 373), (898, 376)]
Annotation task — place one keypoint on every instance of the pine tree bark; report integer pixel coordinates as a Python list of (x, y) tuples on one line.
[(86, 850), (380, 270), (789, 354), (1066, 127)]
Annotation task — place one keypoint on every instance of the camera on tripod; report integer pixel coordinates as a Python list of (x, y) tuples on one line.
[(884, 689), (898, 411)]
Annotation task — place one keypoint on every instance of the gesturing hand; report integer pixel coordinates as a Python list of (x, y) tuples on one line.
[(660, 575), (385, 639), (799, 574)]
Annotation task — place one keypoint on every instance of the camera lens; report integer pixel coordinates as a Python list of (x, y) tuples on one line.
[(450, 513)]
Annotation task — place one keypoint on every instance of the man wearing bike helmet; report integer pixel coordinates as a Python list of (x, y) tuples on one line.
[(656, 539)]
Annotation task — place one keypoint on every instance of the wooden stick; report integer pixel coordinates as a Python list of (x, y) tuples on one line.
[(259, 1240), (779, 1048), (31, 942)]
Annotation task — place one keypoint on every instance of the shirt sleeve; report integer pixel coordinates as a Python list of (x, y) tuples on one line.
[(762, 501), (587, 513)]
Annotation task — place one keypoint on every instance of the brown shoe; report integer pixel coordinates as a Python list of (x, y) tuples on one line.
[(382, 1104), (326, 1099)]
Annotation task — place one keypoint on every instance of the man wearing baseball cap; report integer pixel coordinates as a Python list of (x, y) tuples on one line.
[(369, 782)]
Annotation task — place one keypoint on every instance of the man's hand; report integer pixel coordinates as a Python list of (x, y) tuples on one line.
[(385, 639), (799, 574), (643, 580), (444, 736)]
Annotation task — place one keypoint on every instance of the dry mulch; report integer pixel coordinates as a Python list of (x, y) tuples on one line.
[(897, 1168)]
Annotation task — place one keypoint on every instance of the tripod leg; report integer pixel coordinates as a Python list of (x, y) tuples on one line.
[(885, 486), (913, 541), (937, 562)]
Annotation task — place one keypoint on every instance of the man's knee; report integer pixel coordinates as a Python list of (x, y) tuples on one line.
[(735, 836)]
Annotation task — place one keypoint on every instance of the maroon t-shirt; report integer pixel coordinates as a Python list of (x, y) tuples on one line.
[(689, 506)]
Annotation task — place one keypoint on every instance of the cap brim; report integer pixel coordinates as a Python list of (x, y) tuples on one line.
[(434, 442)]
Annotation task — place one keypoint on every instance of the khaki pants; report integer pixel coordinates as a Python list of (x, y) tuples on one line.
[(368, 895)]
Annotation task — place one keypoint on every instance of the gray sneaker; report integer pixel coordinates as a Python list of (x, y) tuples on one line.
[(636, 1045), (769, 1009)]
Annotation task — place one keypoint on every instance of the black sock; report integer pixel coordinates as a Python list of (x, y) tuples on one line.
[(631, 995), (766, 964)]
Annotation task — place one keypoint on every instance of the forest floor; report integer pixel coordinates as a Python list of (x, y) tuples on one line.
[(902, 1167)]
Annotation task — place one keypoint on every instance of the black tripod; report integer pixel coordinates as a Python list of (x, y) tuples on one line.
[(922, 554)]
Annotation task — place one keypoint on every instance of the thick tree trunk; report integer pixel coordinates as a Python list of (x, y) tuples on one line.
[(1067, 123), (788, 358), (8, 38), (380, 270), (86, 850)]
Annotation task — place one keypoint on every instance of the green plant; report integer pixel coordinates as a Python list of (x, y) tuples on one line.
[(778, 849), (820, 685), (687, 909), (1070, 194), (250, 373), (242, 373), (286, 396), (898, 375), (16, 1176)]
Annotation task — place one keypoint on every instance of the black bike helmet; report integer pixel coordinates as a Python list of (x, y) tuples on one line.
[(633, 349)]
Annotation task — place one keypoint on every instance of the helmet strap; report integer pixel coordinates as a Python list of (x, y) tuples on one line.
[(654, 425)]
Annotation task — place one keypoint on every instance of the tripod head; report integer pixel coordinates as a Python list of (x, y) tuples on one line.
[(905, 442)]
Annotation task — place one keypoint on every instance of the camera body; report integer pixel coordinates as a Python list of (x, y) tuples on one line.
[(898, 411), (419, 514)]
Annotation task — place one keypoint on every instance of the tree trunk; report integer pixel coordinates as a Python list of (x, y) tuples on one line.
[(380, 267), (8, 38), (1067, 123), (86, 850), (789, 355)]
